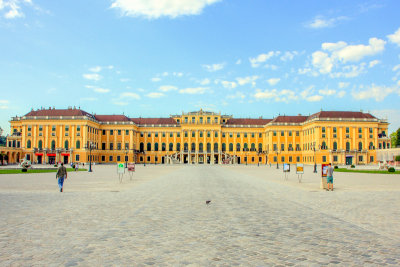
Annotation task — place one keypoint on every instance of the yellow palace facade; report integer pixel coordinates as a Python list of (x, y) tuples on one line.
[(201, 137)]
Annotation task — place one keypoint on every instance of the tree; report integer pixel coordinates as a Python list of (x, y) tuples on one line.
[(398, 138), (393, 139)]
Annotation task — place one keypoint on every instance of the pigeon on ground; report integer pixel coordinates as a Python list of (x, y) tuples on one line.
[(208, 202)]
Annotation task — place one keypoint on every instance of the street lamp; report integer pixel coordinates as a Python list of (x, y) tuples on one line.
[(144, 156), (126, 156), (277, 158), (92, 145), (315, 160)]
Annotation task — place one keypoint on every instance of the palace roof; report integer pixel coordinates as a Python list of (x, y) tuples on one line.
[(342, 114), (112, 118), (150, 121), (247, 121), (290, 119), (58, 112)]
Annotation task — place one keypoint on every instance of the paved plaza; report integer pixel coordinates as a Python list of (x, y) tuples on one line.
[(160, 218)]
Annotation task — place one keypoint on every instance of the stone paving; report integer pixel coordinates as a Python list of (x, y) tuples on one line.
[(160, 218)]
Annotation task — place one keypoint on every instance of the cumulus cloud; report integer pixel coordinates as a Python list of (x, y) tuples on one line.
[(92, 76), (327, 92), (273, 81), (373, 63), (377, 92), (257, 61), (205, 81), (278, 96), (155, 95), (4, 104), (238, 95), (195, 90), (354, 53), (11, 9), (349, 71), (101, 90), (130, 95), (322, 62), (155, 79), (343, 84), (214, 67), (320, 22), (229, 85), (248, 79), (167, 88), (96, 69), (308, 95), (289, 55), (154, 9), (395, 37)]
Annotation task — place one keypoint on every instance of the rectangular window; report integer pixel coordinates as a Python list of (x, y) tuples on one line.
[(111, 132), (274, 133), (252, 159), (66, 128), (275, 147), (178, 134), (275, 158), (216, 119), (126, 146), (186, 134), (290, 133), (104, 132), (323, 158), (193, 119), (359, 130), (201, 119), (208, 119), (118, 158), (156, 135), (370, 130), (347, 130), (78, 128), (283, 158), (119, 132), (259, 135), (208, 134), (323, 135), (40, 128), (141, 134), (360, 158), (334, 158), (103, 146), (282, 147), (223, 134), (282, 133), (216, 134), (29, 128), (238, 135), (297, 133), (119, 146), (230, 134), (155, 158), (201, 134), (334, 136), (360, 136), (186, 119), (110, 158), (163, 134), (126, 132), (252, 135), (371, 159), (323, 129), (76, 157), (171, 135), (245, 135), (298, 159), (103, 158), (148, 134), (111, 146), (371, 136), (148, 158)]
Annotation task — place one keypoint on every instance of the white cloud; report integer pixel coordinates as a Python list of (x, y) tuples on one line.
[(289, 55), (392, 115), (229, 85), (96, 69), (196, 90), (177, 74), (341, 94), (273, 81), (322, 61), (350, 71), (155, 79), (120, 103), (101, 90), (271, 66), (154, 9), (343, 84), (165, 74), (238, 95), (167, 88), (376, 92), (238, 62), (92, 76), (308, 95), (205, 81), (257, 61), (278, 96), (373, 63), (354, 53), (155, 95), (214, 67), (327, 92), (314, 98), (130, 95), (248, 79), (333, 46), (12, 8), (4, 104), (395, 37), (321, 22), (395, 68)]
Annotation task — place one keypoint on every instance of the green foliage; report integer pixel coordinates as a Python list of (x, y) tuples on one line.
[(352, 166), (393, 139), (391, 169), (398, 138), (397, 158), (3, 141), (24, 170), (366, 171), (336, 167)]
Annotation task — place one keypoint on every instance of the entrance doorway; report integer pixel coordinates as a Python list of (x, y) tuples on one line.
[(216, 159), (349, 160), (162, 160), (65, 159), (39, 159), (185, 159), (52, 160), (238, 160)]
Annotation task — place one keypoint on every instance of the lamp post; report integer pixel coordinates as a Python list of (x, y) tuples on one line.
[(144, 156), (315, 160), (277, 158), (126, 160), (92, 145)]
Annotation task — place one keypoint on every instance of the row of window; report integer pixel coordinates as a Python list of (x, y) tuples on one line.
[(201, 134)]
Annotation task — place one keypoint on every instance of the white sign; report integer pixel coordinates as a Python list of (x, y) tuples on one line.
[(299, 168), (286, 167), (120, 168)]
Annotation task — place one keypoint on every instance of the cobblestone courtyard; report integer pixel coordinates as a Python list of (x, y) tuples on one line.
[(160, 218)]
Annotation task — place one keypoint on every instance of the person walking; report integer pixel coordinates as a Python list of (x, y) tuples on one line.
[(61, 175), (76, 166), (330, 177)]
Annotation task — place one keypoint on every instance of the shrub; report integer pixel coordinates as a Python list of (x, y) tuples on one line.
[(336, 167), (352, 166), (24, 170), (55, 165), (391, 169), (397, 158)]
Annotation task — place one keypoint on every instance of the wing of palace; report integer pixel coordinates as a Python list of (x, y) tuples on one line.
[(73, 135)]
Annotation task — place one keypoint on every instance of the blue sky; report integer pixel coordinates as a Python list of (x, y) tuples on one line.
[(153, 58)]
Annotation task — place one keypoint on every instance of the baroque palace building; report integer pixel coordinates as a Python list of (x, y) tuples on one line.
[(73, 135)]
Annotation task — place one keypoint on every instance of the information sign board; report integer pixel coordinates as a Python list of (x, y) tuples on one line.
[(120, 168), (299, 168), (286, 167), (131, 167), (324, 171)]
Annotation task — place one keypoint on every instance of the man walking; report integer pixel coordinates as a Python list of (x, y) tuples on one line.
[(330, 177), (61, 175)]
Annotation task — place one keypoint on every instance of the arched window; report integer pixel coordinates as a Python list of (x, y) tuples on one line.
[(371, 145), (230, 147), (193, 147), (148, 146), (28, 144), (347, 146), (185, 146), (253, 147), (208, 147), (380, 145), (171, 146), (178, 146), (141, 147), (323, 146), (163, 146), (78, 144), (384, 145), (238, 147), (388, 145), (245, 147), (360, 146), (155, 146), (66, 145), (40, 144), (215, 147), (334, 146), (53, 145), (201, 147), (223, 147), (259, 147)]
